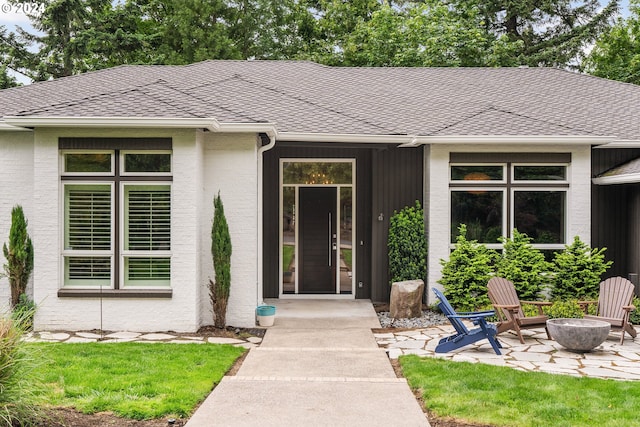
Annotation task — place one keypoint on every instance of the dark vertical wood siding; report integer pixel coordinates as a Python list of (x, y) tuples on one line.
[(387, 179), (397, 182), (615, 213)]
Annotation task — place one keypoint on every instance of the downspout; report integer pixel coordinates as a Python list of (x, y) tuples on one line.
[(260, 227)]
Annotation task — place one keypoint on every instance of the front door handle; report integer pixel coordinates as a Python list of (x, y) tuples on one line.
[(330, 251)]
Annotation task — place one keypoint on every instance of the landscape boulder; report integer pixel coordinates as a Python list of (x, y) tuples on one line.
[(406, 299)]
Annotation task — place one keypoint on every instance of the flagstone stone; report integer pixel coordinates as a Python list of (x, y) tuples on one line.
[(88, 335), (157, 337), (569, 363), (224, 340), (408, 344), (608, 373), (384, 336), (629, 355), (541, 348), (123, 335), (117, 340), (258, 340), (532, 357), (80, 340), (394, 353), (247, 345), (54, 336), (183, 341), (411, 333), (191, 338), (522, 364), (416, 351)]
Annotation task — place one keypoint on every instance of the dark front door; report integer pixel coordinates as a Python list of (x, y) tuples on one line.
[(317, 236)]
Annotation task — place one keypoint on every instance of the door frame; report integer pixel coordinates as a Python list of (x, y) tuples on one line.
[(337, 294)]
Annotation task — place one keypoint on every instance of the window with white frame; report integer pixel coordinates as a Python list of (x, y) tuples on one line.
[(492, 199), (117, 218)]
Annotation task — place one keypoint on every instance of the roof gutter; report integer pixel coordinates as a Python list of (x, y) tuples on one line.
[(208, 123), (623, 143), (631, 178), (6, 127), (416, 140)]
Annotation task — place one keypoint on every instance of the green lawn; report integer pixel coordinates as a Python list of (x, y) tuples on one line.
[(132, 380), (503, 396)]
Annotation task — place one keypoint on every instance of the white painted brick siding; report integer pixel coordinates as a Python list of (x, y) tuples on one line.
[(230, 166), (579, 196), (16, 188), (178, 313)]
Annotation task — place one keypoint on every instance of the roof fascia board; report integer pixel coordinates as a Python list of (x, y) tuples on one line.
[(623, 143), (110, 122), (631, 178), (413, 140), (10, 128), (210, 124)]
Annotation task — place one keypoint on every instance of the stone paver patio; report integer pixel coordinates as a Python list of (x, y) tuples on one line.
[(610, 360)]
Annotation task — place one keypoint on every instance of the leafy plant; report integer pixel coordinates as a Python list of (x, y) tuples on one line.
[(634, 316), (18, 384), (564, 309), (466, 273), (407, 244), (578, 270), (220, 288), (524, 265), (24, 312), (19, 255)]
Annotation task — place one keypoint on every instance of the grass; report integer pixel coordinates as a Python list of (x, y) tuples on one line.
[(503, 396), (132, 380)]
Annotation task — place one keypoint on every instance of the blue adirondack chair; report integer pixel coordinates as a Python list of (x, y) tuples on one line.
[(463, 335)]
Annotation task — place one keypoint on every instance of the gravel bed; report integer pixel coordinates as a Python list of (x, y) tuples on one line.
[(428, 318)]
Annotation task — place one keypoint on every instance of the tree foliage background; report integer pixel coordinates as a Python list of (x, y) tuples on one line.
[(73, 36)]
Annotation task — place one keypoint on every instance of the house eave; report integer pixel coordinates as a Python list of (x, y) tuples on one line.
[(9, 128), (207, 123), (632, 178), (622, 143), (416, 140)]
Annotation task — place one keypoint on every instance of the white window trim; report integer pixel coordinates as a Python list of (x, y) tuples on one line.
[(505, 220), (139, 254), (123, 153), (479, 182), (67, 253), (62, 164), (564, 190), (539, 182)]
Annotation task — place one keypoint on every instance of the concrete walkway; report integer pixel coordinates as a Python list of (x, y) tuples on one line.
[(319, 365)]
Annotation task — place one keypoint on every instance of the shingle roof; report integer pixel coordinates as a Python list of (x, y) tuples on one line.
[(302, 96)]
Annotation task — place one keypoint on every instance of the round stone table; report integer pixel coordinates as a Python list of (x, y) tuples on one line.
[(578, 334)]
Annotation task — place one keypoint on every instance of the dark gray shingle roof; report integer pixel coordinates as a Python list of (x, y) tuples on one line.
[(303, 96)]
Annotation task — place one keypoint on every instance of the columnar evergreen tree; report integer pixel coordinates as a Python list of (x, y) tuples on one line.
[(19, 255), (219, 289)]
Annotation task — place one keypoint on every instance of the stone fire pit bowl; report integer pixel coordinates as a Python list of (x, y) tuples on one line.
[(578, 334)]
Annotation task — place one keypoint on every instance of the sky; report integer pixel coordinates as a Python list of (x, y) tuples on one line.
[(12, 15)]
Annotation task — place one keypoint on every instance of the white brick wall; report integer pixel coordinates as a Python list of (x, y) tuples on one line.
[(16, 187), (579, 196), (231, 168), (178, 313)]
